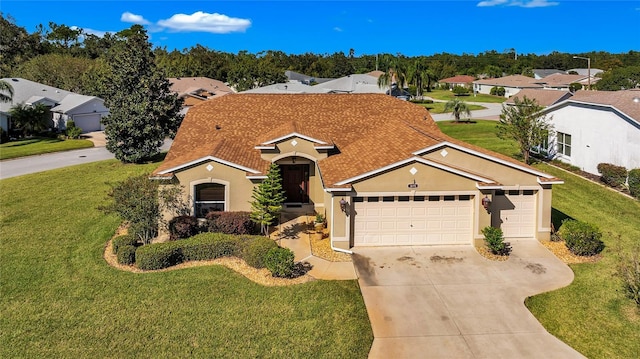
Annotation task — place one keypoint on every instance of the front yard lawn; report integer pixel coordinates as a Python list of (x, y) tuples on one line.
[(446, 95), (592, 314), (38, 146), (60, 299), (438, 107)]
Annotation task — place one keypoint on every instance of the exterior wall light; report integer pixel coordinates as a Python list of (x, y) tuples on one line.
[(486, 203), (343, 205)]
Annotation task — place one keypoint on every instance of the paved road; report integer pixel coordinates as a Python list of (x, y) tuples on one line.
[(492, 112), (33, 164), (449, 302)]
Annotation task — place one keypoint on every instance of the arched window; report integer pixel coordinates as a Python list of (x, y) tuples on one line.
[(209, 197)]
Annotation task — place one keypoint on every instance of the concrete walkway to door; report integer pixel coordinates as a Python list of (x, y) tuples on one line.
[(450, 302)]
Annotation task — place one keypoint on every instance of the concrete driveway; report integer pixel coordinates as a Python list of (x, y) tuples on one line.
[(450, 302)]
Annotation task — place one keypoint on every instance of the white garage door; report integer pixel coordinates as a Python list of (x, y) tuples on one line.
[(88, 123), (416, 220), (517, 213)]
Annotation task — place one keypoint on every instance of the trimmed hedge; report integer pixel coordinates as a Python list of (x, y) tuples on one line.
[(612, 175), (127, 255), (182, 227), (581, 238), (159, 255), (256, 249), (634, 182), (280, 261), (231, 223), (123, 240), (207, 246)]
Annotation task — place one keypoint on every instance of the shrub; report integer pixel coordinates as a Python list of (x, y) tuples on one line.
[(581, 238), (460, 90), (495, 241), (207, 246), (231, 223), (127, 255), (73, 132), (182, 227), (4, 136), (628, 270), (124, 240), (634, 182), (612, 175), (256, 249), (280, 262), (159, 255)]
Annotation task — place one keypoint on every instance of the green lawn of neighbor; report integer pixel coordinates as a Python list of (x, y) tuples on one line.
[(480, 133), (39, 145), (447, 95), (592, 314), (60, 299), (438, 107)]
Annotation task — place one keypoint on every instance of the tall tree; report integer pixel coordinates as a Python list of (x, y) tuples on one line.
[(457, 108), (524, 123), (268, 197), (142, 109), (622, 78), (395, 74), (58, 70), (6, 91)]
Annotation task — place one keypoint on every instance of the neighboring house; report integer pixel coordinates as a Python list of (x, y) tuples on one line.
[(305, 79), (544, 98), (378, 168), (85, 111), (194, 90), (562, 81), (585, 72), (357, 83), (292, 87), (542, 73), (595, 127), (458, 80), (512, 84)]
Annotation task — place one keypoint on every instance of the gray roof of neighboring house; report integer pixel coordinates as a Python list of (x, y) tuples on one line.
[(543, 97), (291, 87), (296, 76), (542, 73), (25, 91), (359, 83), (585, 72)]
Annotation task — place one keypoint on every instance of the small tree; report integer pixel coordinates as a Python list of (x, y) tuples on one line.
[(268, 197), (6, 91), (524, 123), (575, 86), (457, 108), (30, 118)]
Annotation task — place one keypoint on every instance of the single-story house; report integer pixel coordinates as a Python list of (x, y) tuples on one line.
[(542, 73), (85, 111), (458, 80), (512, 84), (291, 87), (194, 90), (595, 127), (544, 98), (305, 79), (357, 83), (378, 168), (562, 81)]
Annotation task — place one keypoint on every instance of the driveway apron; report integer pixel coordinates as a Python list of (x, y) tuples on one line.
[(450, 302)]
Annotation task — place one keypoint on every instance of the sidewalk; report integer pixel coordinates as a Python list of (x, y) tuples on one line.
[(295, 237)]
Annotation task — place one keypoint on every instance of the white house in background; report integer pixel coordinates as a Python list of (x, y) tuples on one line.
[(595, 127), (512, 84), (358, 83), (85, 111)]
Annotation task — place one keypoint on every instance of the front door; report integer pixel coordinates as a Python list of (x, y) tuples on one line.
[(295, 182)]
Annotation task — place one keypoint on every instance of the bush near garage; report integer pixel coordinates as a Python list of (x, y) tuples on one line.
[(182, 227), (280, 262), (634, 182), (231, 223), (494, 238), (255, 251), (612, 175), (581, 238)]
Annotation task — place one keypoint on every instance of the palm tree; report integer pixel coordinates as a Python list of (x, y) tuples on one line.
[(457, 107), (395, 74), (421, 77), (6, 87)]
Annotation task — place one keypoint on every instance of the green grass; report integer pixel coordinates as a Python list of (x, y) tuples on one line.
[(39, 145), (438, 107), (480, 133), (61, 300), (446, 95), (592, 314)]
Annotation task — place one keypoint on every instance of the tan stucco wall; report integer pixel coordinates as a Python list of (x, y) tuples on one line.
[(545, 215), (239, 188), (474, 164)]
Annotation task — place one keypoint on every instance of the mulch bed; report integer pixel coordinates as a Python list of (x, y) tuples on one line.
[(562, 252)]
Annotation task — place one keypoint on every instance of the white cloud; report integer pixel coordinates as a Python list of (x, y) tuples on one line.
[(133, 18), (98, 33), (204, 22), (337, 29), (525, 4)]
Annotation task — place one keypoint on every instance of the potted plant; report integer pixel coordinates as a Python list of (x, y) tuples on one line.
[(319, 222)]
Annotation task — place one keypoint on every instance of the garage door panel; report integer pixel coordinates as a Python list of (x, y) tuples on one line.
[(517, 217), (413, 222)]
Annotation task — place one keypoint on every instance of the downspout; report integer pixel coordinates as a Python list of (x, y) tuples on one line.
[(331, 233)]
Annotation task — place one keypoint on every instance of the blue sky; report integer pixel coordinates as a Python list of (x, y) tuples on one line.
[(369, 27)]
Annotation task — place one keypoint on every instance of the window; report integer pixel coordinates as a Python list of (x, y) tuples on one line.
[(564, 144), (209, 198), (387, 199)]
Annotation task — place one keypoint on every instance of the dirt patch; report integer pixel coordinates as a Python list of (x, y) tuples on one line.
[(560, 250), (536, 268), (405, 258), (485, 252), (366, 269), (436, 258)]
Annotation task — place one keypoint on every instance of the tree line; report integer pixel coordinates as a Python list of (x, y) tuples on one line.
[(68, 58)]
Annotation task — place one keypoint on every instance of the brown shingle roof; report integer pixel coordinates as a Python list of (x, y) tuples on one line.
[(627, 101), (543, 97), (458, 79), (560, 80), (370, 131), (188, 85)]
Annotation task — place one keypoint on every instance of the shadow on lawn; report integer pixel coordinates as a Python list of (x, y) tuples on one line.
[(557, 217)]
